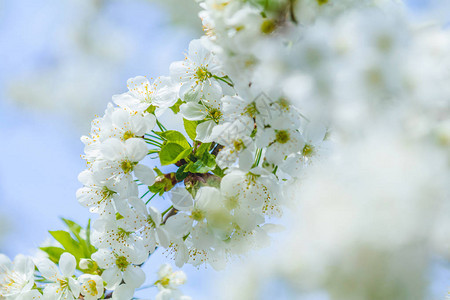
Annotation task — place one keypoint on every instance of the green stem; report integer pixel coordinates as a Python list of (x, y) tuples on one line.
[(257, 158), (145, 194), (161, 126), (155, 137), (224, 80), (165, 212), (153, 143), (275, 170), (151, 198)]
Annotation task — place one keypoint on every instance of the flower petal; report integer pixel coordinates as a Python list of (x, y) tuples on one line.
[(144, 174), (123, 292), (134, 276), (136, 149), (67, 264), (112, 277), (48, 269)]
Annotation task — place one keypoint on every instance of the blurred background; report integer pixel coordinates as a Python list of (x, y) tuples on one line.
[(60, 63)]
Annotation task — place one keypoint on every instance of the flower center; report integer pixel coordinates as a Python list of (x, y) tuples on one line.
[(63, 284), (202, 74), (91, 287), (238, 144), (284, 104), (308, 150), (128, 135), (251, 109), (197, 215), (268, 26), (282, 136), (322, 2), (151, 222), (127, 166), (122, 263), (215, 114), (165, 281), (106, 193), (122, 233), (232, 202)]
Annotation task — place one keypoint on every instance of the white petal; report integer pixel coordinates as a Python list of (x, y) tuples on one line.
[(104, 258), (181, 199), (74, 287), (165, 294), (136, 149), (193, 111), (245, 160), (212, 90), (144, 174), (121, 118), (134, 276), (139, 87), (177, 69), (48, 269), (30, 295), (67, 264), (85, 177), (112, 149), (5, 262), (155, 215), (23, 264), (204, 131), (112, 277), (123, 292), (163, 237), (164, 270), (179, 225), (125, 100)]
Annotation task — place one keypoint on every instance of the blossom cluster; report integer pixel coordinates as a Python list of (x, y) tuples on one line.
[(228, 183)]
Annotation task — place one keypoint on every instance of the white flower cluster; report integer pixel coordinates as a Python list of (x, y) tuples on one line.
[(18, 281), (245, 146)]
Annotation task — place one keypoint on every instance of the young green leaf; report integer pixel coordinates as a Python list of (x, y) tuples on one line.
[(181, 174), (202, 149), (68, 243), (73, 227), (176, 107), (172, 152), (191, 128), (173, 136), (54, 253)]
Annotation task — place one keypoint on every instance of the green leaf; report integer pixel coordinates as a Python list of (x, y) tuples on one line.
[(68, 243), (54, 253), (205, 164), (173, 136), (202, 149), (74, 228), (218, 171), (191, 128), (91, 248), (176, 107), (172, 152), (181, 174)]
